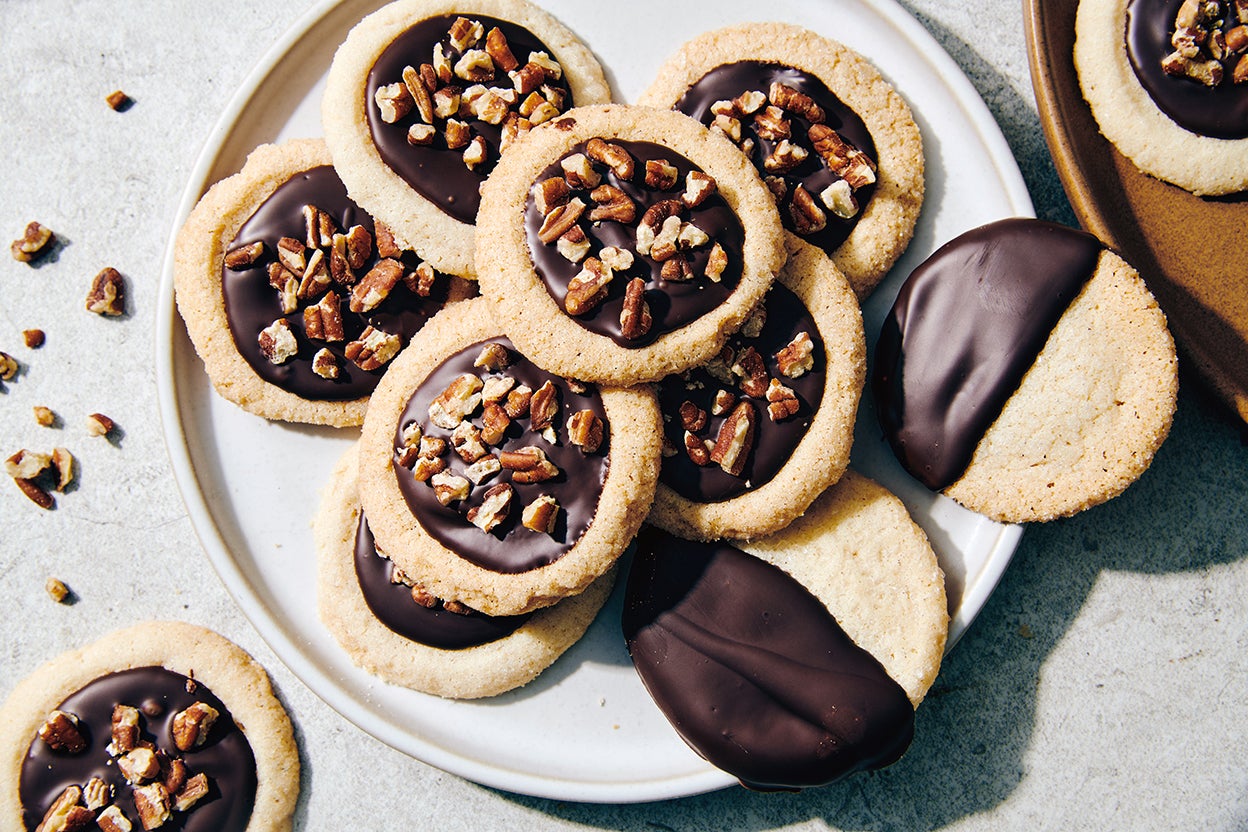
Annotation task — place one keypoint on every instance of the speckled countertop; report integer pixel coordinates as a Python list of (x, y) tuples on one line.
[(1102, 687)]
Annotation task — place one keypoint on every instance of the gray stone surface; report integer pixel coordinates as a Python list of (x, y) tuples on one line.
[(1101, 688)]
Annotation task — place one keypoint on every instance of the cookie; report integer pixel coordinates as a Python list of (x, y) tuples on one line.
[(622, 244), (1168, 85), (160, 719), (834, 141), (294, 298), (424, 95), (1026, 372), (799, 658), (504, 487), (428, 646), (759, 432)]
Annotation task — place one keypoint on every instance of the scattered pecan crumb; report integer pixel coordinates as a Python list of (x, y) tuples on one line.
[(44, 416), (119, 101), (56, 590), (36, 240), (100, 425), (8, 366), (34, 338), (107, 293)]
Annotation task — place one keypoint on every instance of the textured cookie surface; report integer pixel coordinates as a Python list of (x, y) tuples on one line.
[(1203, 163), (1026, 372), (140, 662), (657, 244), (515, 657), (727, 63), (808, 368), (251, 319), (583, 458), (474, 102)]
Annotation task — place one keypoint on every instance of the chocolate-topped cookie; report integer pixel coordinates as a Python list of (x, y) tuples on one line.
[(502, 486), (1167, 81), (162, 725), (799, 658), (391, 626), (753, 436), (293, 296), (424, 96), (622, 244), (1025, 371), (835, 144)]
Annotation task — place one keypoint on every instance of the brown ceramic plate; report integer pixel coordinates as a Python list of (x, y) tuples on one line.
[(1193, 252)]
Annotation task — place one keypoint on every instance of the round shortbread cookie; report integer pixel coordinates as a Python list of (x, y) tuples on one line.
[(643, 303), (159, 668), (595, 453), (1026, 372), (488, 668), (724, 64), (383, 171), (354, 264), (1129, 117), (791, 457), (799, 658)]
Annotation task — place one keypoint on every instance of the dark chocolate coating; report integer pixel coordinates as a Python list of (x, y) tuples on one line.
[(159, 694), (753, 671), (774, 442), (726, 82), (251, 304), (673, 304), (434, 171), (510, 548), (966, 326), (1220, 112), (393, 605)]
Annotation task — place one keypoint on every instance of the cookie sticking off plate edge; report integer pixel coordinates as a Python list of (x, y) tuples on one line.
[(823, 454), (1130, 120), (538, 325), (854, 542), (635, 437), (229, 672), (1110, 363), (484, 670), (887, 224), (446, 243)]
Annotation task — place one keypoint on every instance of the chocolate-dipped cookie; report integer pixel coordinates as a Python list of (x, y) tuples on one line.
[(1025, 371), (294, 298), (161, 725), (756, 434), (835, 143), (622, 244), (1167, 81), (799, 658), (424, 96), (504, 487), (395, 629)]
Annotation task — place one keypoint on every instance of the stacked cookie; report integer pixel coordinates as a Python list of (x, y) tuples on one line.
[(667, 350)]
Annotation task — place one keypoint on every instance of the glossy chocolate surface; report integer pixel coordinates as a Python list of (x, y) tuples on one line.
[(436, 172), (966, 326), (673, 304), (753, 671), (1220, 112), (509, 548), (728, 81), (774, 442), (393, 605), (251, 304), (226, 757)]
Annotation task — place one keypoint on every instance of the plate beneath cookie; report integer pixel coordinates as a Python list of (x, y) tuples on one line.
[(1186, 247), (585, 730)]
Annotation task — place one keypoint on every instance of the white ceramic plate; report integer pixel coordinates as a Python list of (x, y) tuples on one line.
[(585, 730)]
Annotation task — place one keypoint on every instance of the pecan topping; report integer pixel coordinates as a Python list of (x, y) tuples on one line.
[(543, 407), (466, 442), (588, 287), (139, 765), (60, 732), (528, 464), (393, 102), (784, 157), (735, 439), (661, 175), (373, 349), (559, 220), (65, 815), (787, 98), (579, 173), (457, 402), (653, 222), (613, 156), (449, 488), (807, 216), (494, 423), (484, 468), (518, 402), (494, 509), (692, 417), (753, 372), (96, 794), (107, 294), (100, 425), (192, 791), (244, 257), (277, 342), (574, 245), (782, 401), (57, 590), (125, 730), (315, 277), (845, 160), (192, 726), (635, 320), (36, 240), (771, 124), (323, 320), (724, 402), (699, 187), (585, 429), (152, 804), (797, 357), (697, 450), (612, 204), (8, 367), (376, 286), (541, 515)]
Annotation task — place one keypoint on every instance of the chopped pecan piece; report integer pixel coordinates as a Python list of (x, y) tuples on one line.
[(36, 493), (107, 295), (579, 172), (192, 791), (192, 726), (152, 804), (784, 157), (323, 320), (420, 94), (139, 765), (518, 402), (493, 357), (770, 124), (8, 367), (807, 216), (749, 102), (494, 423), (421, 135), (541, 515), (498, 50), (325, 365), (1209, 73), (528, 465), (316, 276), (754, 322), (723, 402), (496, 388), (376, 286), (476, 152), (425, 468), (543, 407), (729, 126), (449, 488), (27, 464), (113, 820), (615, 258), (60, 731), (692, 417), (699, 187), (466, 441), (612, 204), (585, 430), (840, 199), (588, 287), (661, 175), (373, 349), (654, 220), (527, 78), (550, 194), (613, 156), (56, 589), (292, 254), (753, 373), (100, 425), (244, 256), (559, 220), (393, 102), (677, 269), (277, 342), (666, 242), (1240, 74), (125, 730), (841, 157), (735, 439), (574, 245), (782, 401), (484, 468), (465, 33), (475, 66), (65, 814), (697, 450), (494, 509), (797, 357), (96, 794), (457, 402), (457, 133), (63, 464), (36, 240), (635, 320), (787, 98)]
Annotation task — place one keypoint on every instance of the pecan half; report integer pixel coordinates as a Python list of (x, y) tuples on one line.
[(841, 157)]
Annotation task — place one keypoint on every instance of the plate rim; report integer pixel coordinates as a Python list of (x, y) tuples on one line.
[(246, 596)]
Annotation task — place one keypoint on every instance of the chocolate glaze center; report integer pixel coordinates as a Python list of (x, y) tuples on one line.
[(159, 694), (966, 326)]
